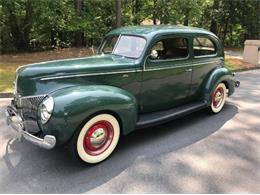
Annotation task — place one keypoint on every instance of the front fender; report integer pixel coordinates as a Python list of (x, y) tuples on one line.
[(218, 75), (73, 105)]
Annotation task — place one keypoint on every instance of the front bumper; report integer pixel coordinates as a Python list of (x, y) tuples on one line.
[(15, 121)]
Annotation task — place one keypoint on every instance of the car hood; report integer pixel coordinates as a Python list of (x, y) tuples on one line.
[(99, 63), (33, 79)]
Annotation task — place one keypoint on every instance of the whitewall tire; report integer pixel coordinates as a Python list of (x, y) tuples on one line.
[(97, 139), (218, 98)]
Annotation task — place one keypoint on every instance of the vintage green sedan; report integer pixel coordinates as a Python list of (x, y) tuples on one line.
[(141, 76)]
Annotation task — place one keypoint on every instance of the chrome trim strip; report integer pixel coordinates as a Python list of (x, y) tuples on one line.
[(15, 84), (205, 56), (87, 74), (181, 66), (117, 41), (122, 72)]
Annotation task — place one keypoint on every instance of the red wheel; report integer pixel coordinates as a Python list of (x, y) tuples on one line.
[(218, 98), (98, 138)]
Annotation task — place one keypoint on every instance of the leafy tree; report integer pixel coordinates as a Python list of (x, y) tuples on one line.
[(17, 16), (46, 24)]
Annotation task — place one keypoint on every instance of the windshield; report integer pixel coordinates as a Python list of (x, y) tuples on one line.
[(125, 45)]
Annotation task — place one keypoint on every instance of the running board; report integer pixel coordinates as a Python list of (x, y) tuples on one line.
[(155, 118)]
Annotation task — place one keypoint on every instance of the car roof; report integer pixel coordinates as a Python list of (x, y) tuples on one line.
[(151, 30)]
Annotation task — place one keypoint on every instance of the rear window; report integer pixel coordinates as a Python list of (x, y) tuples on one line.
[(171, 48), (203, 46)]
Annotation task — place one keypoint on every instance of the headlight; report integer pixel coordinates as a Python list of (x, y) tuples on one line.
[(46, 109)]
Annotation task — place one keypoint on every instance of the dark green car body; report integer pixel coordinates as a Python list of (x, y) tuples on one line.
[(127, 88)]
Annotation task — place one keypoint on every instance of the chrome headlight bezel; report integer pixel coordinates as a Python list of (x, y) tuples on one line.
[(46, 109), (15, 85)]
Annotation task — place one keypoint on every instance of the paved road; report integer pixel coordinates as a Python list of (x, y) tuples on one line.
[(195, 154)]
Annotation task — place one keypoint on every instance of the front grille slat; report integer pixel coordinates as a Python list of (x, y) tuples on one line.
[(31, 102), (28, 107)]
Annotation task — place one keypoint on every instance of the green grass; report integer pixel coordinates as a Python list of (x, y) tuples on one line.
[(230, 66), (7, 76), (10, 62)]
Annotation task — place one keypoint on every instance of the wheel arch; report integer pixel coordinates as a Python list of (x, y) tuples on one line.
[(111, 112), (217, 76), (76, 105)]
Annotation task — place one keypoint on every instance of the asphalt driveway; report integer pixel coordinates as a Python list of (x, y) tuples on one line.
[(199, 153)]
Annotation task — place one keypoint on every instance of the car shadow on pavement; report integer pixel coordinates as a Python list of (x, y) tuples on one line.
[(35, 170)]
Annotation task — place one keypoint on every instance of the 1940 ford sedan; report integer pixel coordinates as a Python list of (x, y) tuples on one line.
[(141, 76)]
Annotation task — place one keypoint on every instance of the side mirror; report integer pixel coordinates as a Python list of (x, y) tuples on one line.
[(153, 54)]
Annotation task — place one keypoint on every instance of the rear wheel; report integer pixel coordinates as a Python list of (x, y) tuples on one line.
[(218, 98), (97, 139)]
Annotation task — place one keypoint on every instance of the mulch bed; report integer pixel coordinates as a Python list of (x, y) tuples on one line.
[(28, 58), (240, 64), (6, 95)]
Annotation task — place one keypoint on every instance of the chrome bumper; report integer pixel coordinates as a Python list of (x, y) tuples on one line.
[(15, 121)]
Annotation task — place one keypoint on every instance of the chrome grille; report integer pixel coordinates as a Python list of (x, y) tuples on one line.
[(27, 107), (31, 102)]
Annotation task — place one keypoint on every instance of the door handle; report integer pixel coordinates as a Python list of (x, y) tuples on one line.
[(188, 70)]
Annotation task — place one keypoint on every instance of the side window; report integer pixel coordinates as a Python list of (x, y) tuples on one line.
[(203, 46), (171, 48), (109, 44)]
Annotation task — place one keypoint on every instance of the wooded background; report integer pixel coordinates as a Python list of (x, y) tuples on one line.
[(29, 25)]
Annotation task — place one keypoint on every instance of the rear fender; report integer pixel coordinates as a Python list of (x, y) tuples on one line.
[(217, 76)]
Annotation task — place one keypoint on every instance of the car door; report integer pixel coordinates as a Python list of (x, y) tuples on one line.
[(166, 79), (207, 55)]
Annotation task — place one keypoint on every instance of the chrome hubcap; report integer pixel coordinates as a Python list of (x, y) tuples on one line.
[(218, 97), (98, 137)]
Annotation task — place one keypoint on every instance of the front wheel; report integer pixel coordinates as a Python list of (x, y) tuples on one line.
[(218, 98), (97, 139)]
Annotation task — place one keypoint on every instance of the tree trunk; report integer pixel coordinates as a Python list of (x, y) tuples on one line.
[(78, 6), (53, 42), (28, 23), (225, 33), (228, 16), (154, 12), (135, 10), (231, 15), (154, 21), (118, 14), (79, 34), (187, 14), (214, 24), (20, 33)]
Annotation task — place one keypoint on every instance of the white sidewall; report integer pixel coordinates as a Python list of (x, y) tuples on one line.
[(80, 141), (216, 110)]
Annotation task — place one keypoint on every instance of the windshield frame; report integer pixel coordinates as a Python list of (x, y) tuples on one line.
[(118, 39)]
